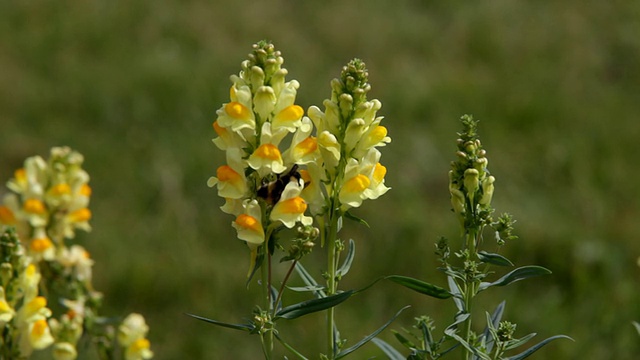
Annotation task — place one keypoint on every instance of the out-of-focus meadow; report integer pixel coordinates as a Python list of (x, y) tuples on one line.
[(134, 85)]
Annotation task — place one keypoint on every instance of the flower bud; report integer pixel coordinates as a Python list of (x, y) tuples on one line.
[(471, 182), (487, 190)]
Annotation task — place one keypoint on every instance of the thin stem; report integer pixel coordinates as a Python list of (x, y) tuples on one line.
[(284, 283), (470, 290), (265, 271), (332, 285), (290, 348)]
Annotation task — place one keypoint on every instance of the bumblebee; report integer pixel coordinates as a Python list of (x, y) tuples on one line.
[(271, 191)]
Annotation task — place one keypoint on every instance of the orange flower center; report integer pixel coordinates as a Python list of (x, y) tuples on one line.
[(295, 205), (291, 113), (237, 110), (248, 222), (268, 151), (41, 244), (379, 172), (34, 206), (226, 173), (80, 215), (357, 184)]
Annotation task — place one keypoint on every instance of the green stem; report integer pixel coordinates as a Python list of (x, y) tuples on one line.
[(265, 271), (331, 281), (284, 283), (470, 290)]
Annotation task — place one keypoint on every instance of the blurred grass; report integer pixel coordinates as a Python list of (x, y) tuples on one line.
[(134, 86)]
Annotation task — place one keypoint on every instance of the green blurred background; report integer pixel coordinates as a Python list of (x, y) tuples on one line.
[(134, 86)]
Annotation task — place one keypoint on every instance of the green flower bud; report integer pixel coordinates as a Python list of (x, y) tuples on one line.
[(257, 77), (471, 182)]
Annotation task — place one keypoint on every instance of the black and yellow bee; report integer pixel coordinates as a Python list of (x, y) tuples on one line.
[(271, 191)]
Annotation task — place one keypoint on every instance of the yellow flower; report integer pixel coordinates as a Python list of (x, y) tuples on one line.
[(230, 178), (133, 327), (236, 116), (6, 216), (249, 223), (64, 351), (139, 350), (291, 207), (267, 158), (42, 248), (289, 118), (34, 206), (304, 148), (6, 311), (226, 138), (40, 334)]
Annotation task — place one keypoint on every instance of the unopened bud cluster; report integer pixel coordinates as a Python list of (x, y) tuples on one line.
[(470, 183), (303, 243)]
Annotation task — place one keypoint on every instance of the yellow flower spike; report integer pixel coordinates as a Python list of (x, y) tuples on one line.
[(80, 215), (6, 216), (237, 110), (34, 206)]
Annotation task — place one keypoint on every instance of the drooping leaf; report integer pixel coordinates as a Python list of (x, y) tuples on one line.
[(243, 327), (346, 265), (388, 350), (309, 280), (518, 274), (536, 347), (355, 218), (368, 338), (420, 286), (313, 305), (495, 259)]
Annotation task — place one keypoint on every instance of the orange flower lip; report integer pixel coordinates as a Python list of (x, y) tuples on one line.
[(268, 151)]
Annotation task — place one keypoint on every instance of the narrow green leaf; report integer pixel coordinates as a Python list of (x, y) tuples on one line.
[(495, 259), (368, 338), (455, 292), (305, 288), (494, 322), (470, 348), (243, 327), (520, 273), (359, 220), (420, 286), (388, 350), (346, 265), (514, 343), (309, 280), (536, 347), (255, 268), (403, 340), (313, 305)]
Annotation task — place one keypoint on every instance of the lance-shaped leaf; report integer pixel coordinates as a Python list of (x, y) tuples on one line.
[(346, 265), (243, 327), (420, 286), (388, 350), (536, 347), (495, 259), (494, 322), (515, 343), (313, 305), (368, 338), (309, 280), (456, 293), (520, 273)]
